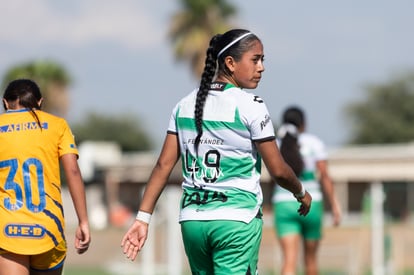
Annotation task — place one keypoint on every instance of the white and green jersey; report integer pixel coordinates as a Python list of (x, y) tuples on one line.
[(312, 150), (222, 181)]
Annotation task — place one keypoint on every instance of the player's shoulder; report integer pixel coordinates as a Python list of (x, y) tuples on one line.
[(50, 118), (190, 97), (248, 99), (309, 138), (249, 95)]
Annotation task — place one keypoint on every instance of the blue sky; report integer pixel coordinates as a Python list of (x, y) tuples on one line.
[(318, 54)]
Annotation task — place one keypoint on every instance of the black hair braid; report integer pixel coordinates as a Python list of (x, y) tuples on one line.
[(29, 101), (290, 149), (206, 79), (291, 153)]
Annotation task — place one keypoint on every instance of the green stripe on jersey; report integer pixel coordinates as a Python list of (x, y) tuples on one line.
[(189, 123), (307, 176)]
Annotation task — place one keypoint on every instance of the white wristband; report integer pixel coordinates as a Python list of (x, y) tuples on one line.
[(302, 193), (143, 216)]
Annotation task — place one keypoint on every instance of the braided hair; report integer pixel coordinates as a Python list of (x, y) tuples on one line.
[(232, 43), (26, 93)]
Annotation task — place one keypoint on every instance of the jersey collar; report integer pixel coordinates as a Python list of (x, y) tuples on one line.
[(220, 86), (17, 111)]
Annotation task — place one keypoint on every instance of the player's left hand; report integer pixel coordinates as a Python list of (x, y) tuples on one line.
[(82, 238), (134, 239), (305, 204)]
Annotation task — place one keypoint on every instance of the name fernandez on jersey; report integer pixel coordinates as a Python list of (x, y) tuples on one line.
[(206, 141)]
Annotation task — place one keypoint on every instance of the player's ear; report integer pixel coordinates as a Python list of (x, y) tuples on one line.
[(5, 104), (230, 63), (39, 103)]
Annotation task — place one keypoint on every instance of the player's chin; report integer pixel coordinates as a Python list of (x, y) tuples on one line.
[(256, 80), (253, 83)]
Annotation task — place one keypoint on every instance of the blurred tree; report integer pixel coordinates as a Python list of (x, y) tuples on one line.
[(192, 28), (124, 129), (52, 78), (387, 113)]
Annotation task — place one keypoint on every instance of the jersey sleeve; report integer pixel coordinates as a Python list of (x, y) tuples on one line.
[(67, 143), (259, 120), (319, 149), (172, 125), (184, 108)]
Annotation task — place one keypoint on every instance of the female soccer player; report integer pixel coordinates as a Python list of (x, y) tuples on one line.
[(32, 227), (221, 133), (306, 154)]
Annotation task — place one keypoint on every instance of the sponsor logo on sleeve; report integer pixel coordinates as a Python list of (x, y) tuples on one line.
[(264, 122)]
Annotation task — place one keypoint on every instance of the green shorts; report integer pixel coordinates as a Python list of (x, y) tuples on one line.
[(288, 221), (222, 247)]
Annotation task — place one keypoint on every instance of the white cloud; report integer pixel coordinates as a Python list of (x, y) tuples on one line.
[(37, 23)]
